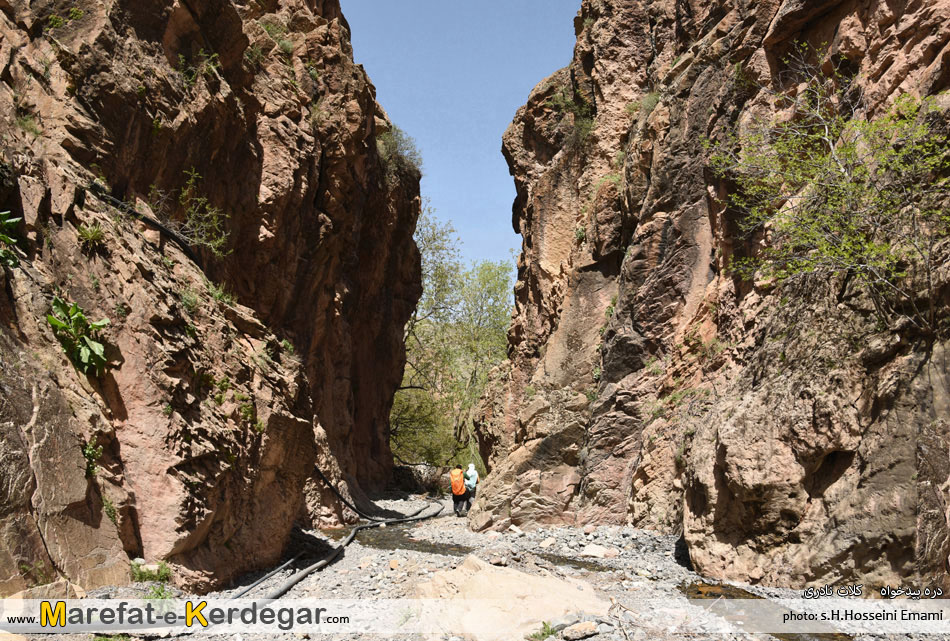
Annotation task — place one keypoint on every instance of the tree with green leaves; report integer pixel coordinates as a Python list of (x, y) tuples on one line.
[(456, 335), (832, 192)]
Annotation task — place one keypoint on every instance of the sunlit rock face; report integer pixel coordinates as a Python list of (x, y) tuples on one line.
[(214, 412), (649, 385)]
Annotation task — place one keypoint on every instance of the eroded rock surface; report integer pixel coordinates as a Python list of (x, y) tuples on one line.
[(786, 437), (214, 411)]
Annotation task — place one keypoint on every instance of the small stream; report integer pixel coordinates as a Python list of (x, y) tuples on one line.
[(702, 590), (399, 537)]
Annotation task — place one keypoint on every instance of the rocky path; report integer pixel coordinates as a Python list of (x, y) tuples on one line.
[(617, 564), (620, 563)]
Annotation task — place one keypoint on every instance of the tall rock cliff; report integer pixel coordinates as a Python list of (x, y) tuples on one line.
[(784, 435), (228, 380)]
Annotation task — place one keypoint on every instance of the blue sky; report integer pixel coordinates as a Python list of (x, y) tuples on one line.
[(452, 74)]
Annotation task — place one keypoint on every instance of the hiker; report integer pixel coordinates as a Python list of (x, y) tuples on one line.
[(471, 481), (458, 489)]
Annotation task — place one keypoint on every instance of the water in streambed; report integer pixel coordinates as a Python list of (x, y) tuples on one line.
[(701, 590), (399, 537)]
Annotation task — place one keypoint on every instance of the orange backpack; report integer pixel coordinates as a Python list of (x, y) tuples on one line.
[(458, 482)]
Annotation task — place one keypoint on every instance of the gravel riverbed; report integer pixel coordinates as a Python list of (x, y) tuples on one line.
[(622, 564)]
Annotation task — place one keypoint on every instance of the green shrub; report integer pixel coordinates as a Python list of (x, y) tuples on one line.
[(649, 103), (312, 70), (220, 294), (189, 300), (141, 575), (8, 248), (159, 592), (287, 346), (168, 409), (78, 336), (274, 29), (27, 122), (91, 237), (55, 22), (109, 508), (92, 453), (204, 65), (842, 196), (580, 234), (76, 13), (254, 56), (565, 101), (542, 634), (398, 152), (286, 46), (204, 225)]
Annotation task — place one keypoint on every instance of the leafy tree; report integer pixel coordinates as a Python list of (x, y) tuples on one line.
[(835, 193), (456, 335)]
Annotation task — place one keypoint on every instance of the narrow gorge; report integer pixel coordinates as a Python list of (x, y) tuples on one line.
[(209, 263)]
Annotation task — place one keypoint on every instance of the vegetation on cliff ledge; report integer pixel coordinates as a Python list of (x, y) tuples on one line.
[(832, 192)]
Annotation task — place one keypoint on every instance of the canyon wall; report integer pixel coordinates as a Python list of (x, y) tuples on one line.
[(229, 377), (784, 435)]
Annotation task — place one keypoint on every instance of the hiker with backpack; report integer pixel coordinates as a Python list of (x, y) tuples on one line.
[(471, 482), (458, 489)]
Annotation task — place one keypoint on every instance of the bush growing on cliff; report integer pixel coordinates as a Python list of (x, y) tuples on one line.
[(834, 193), (8, 248), (399, 153), (78, 336), (565, 101), (204, 225), (91, 237)]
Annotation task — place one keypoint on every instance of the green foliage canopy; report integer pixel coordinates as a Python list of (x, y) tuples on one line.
[(835, 193), (457, 334)]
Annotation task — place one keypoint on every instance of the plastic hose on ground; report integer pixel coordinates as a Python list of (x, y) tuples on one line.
[(348, 504), (300, 576), (297, 577)]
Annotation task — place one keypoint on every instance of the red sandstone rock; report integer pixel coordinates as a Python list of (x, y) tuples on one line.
[(739, 416), (210, 425)]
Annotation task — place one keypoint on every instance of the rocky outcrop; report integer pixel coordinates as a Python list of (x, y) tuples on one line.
[(230, 378), (784, 435)]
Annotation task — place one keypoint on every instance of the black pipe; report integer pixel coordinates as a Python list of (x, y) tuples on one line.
[(346, 501), (297, 577), (294, 579), (267, 576), (101, 193)]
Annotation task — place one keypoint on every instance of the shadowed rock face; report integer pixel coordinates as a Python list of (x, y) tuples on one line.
[(787, 438), (214, 413)]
